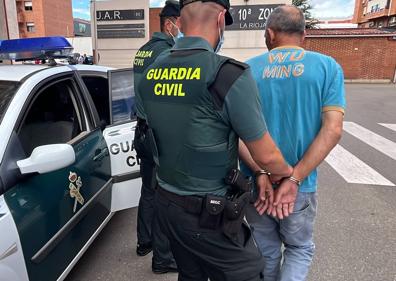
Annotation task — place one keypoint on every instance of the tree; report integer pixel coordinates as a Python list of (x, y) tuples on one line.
[(306, 8)]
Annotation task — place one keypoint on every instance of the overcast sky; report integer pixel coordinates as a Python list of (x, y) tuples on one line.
[(321, 8)]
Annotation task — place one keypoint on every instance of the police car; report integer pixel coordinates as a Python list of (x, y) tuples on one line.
[(67, 161)]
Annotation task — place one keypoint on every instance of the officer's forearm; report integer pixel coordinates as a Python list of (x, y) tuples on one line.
[(246, 158), (274, 163), (267, 156)]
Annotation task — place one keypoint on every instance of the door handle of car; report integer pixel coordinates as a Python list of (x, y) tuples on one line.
[(100, 154)]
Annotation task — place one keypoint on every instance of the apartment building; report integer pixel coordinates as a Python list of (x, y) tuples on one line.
[(82, 28), (38, 18), (375, 13)]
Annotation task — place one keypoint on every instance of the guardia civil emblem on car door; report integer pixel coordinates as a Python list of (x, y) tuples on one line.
[(74, 187)]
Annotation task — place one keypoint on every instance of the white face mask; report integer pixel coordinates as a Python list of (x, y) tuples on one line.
[(221, 37), (179, 33)]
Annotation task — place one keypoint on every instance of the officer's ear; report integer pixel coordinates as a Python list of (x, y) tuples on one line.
[(221, 19)]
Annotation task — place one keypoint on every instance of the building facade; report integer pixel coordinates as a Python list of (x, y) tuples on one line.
[(8, 20), (336, 23), (82, 28), (37, 18), (121, 27), (375, 13), (245, 38)]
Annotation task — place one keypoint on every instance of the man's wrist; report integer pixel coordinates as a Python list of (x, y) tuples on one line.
[(295, 180), (297, 175), (261, 172), (290, 171)]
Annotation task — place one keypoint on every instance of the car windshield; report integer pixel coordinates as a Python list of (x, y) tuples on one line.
[(7, 92)]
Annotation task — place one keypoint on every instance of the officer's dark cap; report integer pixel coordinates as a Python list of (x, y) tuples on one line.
[(224, 3), (171, 9)]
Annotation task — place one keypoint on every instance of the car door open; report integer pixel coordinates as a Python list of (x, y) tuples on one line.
[(119, 137)]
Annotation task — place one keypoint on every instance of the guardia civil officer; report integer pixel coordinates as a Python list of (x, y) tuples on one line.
[(149, 235), (197, 105)]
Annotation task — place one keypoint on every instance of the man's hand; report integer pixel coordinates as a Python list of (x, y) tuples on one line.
[(285, 196), (265, 197), (276, 179)]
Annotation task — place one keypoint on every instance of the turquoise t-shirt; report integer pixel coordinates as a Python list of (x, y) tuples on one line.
[(296, 86)]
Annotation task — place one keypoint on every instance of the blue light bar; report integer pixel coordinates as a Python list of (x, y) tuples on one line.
[(35, 48)]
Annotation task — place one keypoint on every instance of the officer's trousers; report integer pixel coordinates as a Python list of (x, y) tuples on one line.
[(204, 253), (148, 230)]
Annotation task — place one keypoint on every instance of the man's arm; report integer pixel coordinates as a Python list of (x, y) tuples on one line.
[(328, 137)]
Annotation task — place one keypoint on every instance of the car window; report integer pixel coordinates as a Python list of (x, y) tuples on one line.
[(7, 92), (122, 95), (99, 90), (53, 117)]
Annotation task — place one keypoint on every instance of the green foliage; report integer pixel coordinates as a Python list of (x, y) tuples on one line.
[(306, 8)]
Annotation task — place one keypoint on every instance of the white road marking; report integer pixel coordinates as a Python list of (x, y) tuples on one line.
[(389, 126), (354, 170), (374, 140)]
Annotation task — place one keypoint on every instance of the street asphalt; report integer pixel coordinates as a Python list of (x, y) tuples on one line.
[(355, 231)]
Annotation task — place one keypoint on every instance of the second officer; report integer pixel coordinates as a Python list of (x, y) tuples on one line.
[(149, 235)]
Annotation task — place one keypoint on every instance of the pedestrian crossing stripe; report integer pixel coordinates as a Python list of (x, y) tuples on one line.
[(374, 140), (354, 170), (389, 126)]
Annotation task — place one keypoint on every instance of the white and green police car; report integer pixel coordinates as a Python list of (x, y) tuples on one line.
[(66, 158)]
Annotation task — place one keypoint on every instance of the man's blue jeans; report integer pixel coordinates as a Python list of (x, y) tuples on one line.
[(296, 234)]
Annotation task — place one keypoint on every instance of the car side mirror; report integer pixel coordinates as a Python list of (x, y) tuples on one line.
[(48, 158)]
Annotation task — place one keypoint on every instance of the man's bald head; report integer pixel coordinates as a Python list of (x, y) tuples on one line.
[(199, 16), (287, 19), (203, 19)]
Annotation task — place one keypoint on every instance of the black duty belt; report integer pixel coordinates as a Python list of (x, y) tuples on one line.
[(192, 204)]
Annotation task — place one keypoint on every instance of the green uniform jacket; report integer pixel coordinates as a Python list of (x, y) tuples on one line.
[(146, 55), (196, 123)]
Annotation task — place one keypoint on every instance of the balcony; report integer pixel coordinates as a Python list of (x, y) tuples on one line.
[(377, 14)]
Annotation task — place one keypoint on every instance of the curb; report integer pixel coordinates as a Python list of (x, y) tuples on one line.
[(368, 81)]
